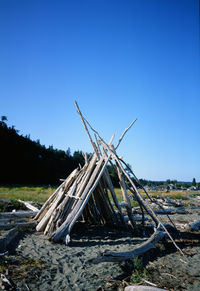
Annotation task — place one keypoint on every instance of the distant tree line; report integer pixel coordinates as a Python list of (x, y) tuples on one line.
[(24, 161), (27, 162)]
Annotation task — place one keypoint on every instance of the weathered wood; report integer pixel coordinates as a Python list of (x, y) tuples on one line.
[(14, 219), (126, 199), (50, 200), (59, 209), (123, 134), (60, 194), (18, 224), (29, 205), (43, 222), (142, 288), (145, 205), (137, 251), (16, 214), (77, 211)]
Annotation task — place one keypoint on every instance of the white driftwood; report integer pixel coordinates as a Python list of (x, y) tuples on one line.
[(140, 250), (43, 222), (123, 134), (71, 191), (77, 211), (142, 288), (47, 204), (49, 201), (126, 199), (29, 205)]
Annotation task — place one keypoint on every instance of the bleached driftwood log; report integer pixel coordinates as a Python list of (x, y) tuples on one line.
[(50, 200), (29, 205), (66, 227), (126, 199), (52, 206)]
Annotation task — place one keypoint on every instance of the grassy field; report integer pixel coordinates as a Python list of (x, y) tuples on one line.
[(41, 194), (36, 194)]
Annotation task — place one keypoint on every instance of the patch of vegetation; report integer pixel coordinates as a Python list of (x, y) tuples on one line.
[(173, 195), (20, 268), (139, 271), (7, 205), (35, 194)]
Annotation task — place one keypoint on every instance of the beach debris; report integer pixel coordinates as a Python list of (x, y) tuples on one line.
[(5, 284), (87, 194), (9, 220), (137, 251), (29, 205), (193, 226), (142, 288)]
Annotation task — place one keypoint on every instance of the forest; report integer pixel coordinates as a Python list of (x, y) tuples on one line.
[(27, 162)]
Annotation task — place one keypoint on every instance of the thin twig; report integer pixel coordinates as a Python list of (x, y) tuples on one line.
[(123, 134)]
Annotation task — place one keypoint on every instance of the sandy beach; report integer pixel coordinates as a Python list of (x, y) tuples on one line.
[(67, 268)]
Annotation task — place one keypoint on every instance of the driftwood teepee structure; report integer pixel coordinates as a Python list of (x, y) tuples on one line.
[(88, 193)]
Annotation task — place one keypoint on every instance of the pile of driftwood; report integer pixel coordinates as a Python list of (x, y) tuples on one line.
[(88, 194)]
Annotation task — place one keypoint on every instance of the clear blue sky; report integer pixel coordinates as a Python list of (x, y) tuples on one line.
[(120, 59)]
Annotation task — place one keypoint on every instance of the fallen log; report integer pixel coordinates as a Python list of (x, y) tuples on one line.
[(142, 288), (16, 214), (29, 205), (140, 250), (18, 224)]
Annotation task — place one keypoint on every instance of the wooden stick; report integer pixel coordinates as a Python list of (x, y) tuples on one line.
[(125, 131), (151, 199), (126, 200), (47, 204), (145, 205), (77, 211), (87, 131)]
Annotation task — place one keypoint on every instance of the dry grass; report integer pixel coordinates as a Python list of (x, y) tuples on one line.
[(36, 194), (41, 194)]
